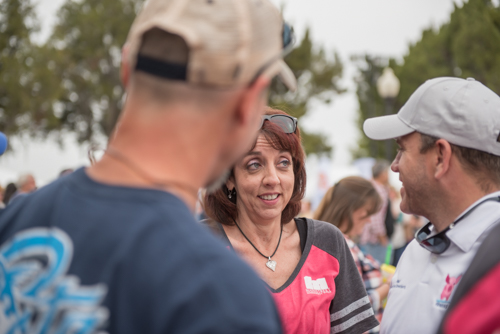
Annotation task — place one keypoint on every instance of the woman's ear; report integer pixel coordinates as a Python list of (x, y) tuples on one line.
[(230, 183)]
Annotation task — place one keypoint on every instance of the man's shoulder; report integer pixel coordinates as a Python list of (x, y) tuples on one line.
[(187, 268), (134, 223), (478, 290), (163, 265), (76, 197)]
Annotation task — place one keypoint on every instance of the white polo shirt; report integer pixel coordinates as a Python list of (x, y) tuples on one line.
[(420, 293)]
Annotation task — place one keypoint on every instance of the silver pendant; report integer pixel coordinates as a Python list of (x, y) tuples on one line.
[(271, 264)]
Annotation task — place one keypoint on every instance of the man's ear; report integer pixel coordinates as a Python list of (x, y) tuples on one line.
[(252, 103), (443, 158), (125, 68)]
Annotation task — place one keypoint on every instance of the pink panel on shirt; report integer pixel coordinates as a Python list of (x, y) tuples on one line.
[(304, 305)]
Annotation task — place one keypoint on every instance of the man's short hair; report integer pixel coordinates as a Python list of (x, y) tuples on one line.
[(379, 167), (485, 167)]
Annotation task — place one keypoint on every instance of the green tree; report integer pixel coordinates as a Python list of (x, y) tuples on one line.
[(370, 103), (466, 46), (88, 40), (318, 74), (72, 82), (87, 45), (21, 83)]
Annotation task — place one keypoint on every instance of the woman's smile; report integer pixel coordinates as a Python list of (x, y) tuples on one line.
[(269, 199)]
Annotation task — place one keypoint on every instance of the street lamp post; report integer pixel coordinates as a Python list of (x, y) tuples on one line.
[(388, 89)]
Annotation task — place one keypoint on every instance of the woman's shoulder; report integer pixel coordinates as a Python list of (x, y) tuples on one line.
[(328, 238), (323, 228), (325, 236)]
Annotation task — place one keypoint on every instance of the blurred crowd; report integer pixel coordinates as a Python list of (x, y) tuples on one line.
[(25, 184)]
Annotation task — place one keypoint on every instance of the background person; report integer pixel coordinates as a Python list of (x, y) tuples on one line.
[(115, 247), (2, 192), (305, 209), (448, 134), (412, 226), (65, 172), (25, 185), (10, 190), (349, 205), (475, 307), (401, 222), (305, 263), (374, 238)]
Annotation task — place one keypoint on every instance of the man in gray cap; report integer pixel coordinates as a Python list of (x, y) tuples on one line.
[(448, 134), (115, 247)]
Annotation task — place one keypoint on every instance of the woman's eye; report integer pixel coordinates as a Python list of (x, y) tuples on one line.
[(253, 166), (285, 163)]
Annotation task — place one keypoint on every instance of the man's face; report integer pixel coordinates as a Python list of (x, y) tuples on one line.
[(235, 149), (412, 167)]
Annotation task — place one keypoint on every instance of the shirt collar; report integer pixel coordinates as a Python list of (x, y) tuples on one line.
[(469, 229)]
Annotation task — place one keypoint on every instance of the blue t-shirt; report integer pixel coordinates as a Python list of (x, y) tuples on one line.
[(78, 256)]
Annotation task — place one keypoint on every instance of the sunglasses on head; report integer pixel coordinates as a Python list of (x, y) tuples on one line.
[(288, 36), (439, 242), (287, 123)]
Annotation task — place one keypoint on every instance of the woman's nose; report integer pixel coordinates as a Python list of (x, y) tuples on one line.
[(271, 178)]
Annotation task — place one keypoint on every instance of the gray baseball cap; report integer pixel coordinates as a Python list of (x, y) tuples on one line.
[(463, 111)]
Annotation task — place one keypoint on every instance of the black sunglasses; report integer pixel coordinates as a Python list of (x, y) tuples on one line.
[(287, 123), (439, 242)]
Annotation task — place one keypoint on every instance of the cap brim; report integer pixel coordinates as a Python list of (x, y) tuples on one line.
[(281, 69), (386, 127), (286, 76)]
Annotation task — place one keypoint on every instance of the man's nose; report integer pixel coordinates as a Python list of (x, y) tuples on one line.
[(395, 163)]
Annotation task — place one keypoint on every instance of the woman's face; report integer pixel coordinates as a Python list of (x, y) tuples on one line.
[(359, 219), (264, 181)]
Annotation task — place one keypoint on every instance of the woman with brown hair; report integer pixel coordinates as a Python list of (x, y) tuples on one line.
[(348, 205), (306, 264)]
